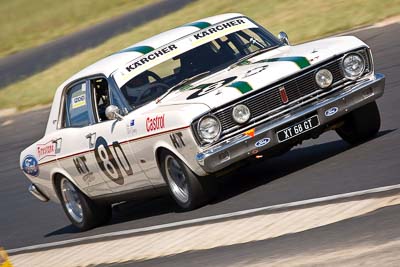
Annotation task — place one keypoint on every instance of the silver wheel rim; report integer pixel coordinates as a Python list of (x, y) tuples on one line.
[(71, 200), (177, 179)]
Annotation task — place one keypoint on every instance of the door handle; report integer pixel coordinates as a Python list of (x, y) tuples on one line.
[(89, 135), (92, 139), (57, 142)]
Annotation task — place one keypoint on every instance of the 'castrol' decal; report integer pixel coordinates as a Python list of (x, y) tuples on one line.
[(155, 123)]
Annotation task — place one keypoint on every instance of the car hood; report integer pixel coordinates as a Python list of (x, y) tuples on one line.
[(259, 71)]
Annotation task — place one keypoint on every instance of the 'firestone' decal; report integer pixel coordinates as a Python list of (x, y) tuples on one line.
[(44, 150)]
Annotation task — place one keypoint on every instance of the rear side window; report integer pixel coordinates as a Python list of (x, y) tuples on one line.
[(77, 111)]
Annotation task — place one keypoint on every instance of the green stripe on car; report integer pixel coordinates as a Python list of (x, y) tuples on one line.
[(144, 49), (243, 87), (301, 62), (199, 24)]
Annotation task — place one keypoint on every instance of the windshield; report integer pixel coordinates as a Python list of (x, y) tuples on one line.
[(209, 57)]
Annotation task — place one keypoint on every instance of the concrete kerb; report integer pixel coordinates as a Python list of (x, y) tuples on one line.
[(352, 196), (222, 233)]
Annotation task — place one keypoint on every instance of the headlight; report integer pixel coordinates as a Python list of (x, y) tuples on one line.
[(323, 78), (209, 128), (241, 113), (353, 65)]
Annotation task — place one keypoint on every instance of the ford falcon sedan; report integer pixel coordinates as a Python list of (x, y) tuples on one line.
[(179, 109)]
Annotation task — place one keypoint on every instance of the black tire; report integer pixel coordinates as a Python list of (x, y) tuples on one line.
[(360, 124), (191, 191), (92, 214)]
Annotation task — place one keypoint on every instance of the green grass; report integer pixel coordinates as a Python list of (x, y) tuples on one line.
[(302, 20), (27, 23)]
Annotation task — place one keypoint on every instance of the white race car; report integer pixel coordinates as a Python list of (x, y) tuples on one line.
[(178, 109)]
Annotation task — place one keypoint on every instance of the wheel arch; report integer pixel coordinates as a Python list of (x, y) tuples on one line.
[(161, 146), (59, 173)]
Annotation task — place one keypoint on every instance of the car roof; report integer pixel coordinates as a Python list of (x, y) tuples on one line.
[(112, 62)]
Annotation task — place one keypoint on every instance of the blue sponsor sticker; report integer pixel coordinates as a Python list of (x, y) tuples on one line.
[(332, 111), (30, 165), (200, 156), (262, 142)]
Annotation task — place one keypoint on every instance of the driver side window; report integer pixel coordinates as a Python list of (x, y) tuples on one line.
[(101, 97)]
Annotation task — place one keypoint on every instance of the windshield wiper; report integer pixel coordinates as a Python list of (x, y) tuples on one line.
[(253, 54), (184, 81)]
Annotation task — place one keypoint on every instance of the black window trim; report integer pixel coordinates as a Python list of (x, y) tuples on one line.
[(113, 89), (63, 111), (112, 92), (95, 111)]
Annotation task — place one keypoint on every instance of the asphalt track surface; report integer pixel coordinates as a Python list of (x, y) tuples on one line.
[(322, 167), (25, 63)]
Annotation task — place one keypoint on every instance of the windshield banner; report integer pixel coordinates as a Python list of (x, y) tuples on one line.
[(155, 57)]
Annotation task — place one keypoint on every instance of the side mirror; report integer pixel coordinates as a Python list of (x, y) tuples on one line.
[(284, 38), (113, 112)]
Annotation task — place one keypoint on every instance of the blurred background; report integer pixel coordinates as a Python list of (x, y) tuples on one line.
[(37, 54)]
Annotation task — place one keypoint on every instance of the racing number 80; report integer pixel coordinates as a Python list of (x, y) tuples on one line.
[(111, 162)]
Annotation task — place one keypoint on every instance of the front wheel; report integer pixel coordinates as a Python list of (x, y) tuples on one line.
[(360, 124), (83, 212), (187, 189)]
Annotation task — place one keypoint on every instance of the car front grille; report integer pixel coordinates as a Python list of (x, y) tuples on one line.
[(300, 88), (269, 99)]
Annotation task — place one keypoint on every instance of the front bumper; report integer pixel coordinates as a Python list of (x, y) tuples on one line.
[(241, 146), (34, 190)]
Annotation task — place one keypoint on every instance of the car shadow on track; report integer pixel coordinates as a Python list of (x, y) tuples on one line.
[(232, 185), (281, 166)]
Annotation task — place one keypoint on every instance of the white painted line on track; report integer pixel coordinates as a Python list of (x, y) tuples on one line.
[(207, 219), (214, 234), (7, 122)]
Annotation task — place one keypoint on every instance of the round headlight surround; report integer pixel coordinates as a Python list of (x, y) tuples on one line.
[(241, 109), (347, 73), (323, 78), (210, 138)]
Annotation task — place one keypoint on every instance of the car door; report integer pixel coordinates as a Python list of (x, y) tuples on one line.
[(77, 138), (116, 160)]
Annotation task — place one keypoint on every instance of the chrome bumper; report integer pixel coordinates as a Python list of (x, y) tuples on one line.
[(242, 146), (36, 192)]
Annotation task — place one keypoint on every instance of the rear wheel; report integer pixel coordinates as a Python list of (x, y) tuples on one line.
[(83, 212), (187, 189), (360, 124)]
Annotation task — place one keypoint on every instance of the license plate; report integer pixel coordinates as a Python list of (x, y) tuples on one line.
[(298, 129)]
